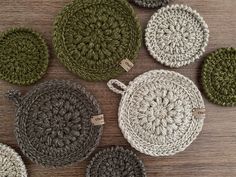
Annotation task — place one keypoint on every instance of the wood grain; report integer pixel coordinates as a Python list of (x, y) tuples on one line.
[(213, 154)]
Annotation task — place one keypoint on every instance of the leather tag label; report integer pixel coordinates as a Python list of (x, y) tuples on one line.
[(199, 113), (98, 120), (126, 64)]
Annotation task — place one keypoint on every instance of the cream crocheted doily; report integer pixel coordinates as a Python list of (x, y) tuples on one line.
[(176, 35), (161, 112)]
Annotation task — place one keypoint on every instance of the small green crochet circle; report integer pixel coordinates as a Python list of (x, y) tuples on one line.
[(92, 37), (23, 56), (219, 76)]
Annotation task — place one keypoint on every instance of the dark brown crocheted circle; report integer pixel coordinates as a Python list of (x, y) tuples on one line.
[(53, 126), (114, 162)]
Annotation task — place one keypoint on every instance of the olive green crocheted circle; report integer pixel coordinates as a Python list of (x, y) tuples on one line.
[(219, 76), (91, 37), (23, 56)]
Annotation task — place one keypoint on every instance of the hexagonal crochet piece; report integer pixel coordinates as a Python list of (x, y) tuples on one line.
[(11, 163), (23, 56), (176, 35), (161, 112), (92, 37), (115, 161), (151, 3), (53, 123), (219, 76)]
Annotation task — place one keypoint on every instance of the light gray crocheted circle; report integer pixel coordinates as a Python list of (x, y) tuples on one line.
[(11, 164)]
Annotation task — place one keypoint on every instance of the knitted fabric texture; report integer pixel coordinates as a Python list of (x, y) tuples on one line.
[(219, 76), (11, 164), (156, 112), (23, 56), (53, 125), (92, 37), (115, 161), (176, 35), (151, 3)]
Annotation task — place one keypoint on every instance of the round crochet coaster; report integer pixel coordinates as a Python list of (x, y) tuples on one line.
[(92, 37), (176, 35), (161, 112), (54, 123), (23, 56), (219, 76), (151, 3), (11, 164), (116, 161)]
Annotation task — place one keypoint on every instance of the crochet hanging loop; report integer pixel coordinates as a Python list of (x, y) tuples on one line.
[(15, 96), (116, 86)]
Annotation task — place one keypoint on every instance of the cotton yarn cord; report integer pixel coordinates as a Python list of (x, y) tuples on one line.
[(151, 3), (53, 123), (176, 35), (219, 76), (156, 112), (92, 37), (115, 162), (23, 56), (11, 164)]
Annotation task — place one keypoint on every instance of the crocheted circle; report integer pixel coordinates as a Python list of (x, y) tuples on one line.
[(116, 161), (151, 3), (156, 113), (219, 76), (92, 37), (176, 35), (11, 163), (23, 56), (53, 123)]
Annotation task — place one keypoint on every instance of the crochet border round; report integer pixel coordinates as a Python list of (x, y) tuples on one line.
[(151, 3), (176, 35), (23, 56), (219, 76), (11, 163), (115, 161), (106, 33), (60, 130), (157, 112)]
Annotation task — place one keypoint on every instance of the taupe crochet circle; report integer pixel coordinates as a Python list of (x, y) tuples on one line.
[(176, 35), (53, 123), (115, 162), (151, 3), (156, 112), (11, 164)]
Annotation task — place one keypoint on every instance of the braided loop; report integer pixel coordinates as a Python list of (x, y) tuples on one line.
[(91, 37), (219, 76)]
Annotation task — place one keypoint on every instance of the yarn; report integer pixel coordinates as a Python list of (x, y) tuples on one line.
[(219, 76), (156, 112), (53, 123), (11, 164), (92, 37), (115, 161), (151, 3), (176, 35), (23, 56)]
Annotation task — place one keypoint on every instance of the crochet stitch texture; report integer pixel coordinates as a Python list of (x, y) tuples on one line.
[(156, 112), (219, 76), (115, 161), (11, 164), (23, 56), (176, 35), (151, 3), (53, 123), (91, 37)]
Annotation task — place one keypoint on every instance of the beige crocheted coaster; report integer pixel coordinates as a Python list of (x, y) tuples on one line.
[(161, 112), (176, 35), (11, 164)]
